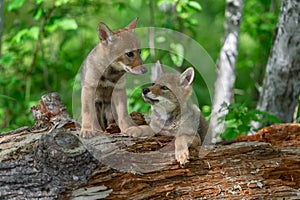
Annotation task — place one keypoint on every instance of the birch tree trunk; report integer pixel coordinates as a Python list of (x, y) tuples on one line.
[(281, 85), (226, 65)]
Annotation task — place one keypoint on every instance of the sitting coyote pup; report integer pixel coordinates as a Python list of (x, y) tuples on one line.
[(103, 94), (170, 112)]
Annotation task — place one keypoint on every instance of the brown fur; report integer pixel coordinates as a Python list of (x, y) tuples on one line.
[(103, 95), (171, 112)]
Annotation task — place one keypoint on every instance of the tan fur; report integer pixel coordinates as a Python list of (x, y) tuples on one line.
[(103, 94), (172, 113)]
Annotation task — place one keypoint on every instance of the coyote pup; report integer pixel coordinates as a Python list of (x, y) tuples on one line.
[(170, 112), (103, 94)]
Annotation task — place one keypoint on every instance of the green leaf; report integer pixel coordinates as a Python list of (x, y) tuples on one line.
[(22, 35), (38, 13), (18, 37), (145, 54), (177, 56), (195, 5), (184, 15), (15, 4), (38, 1), (51, 27), (34, 32), (192, 21), (67, 24), (232, 123), (60, 2), (179, 8)]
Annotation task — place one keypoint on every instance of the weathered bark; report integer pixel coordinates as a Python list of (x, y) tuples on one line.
[(226, 65), (53, 163), (47, 160), (281, 85)]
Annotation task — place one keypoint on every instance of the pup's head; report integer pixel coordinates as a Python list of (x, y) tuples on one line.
[(169, 90), (123, 47)]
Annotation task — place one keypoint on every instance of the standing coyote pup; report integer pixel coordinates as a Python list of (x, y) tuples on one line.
[(103, 94), (171, 113)]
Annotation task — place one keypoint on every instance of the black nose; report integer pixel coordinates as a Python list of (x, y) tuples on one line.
[(146, 90)]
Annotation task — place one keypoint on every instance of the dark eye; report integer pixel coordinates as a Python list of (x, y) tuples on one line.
[(152, 84), (130, 54), (164, 87)]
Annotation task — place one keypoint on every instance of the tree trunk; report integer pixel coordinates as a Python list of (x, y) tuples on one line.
[(51, 162), (226, 65), (281, 85)]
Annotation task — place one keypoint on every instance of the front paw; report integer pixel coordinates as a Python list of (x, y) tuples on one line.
[(181, 151), (88, 133), (182, 156), (134, 131)]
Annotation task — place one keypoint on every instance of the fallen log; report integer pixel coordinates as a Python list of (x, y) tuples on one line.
[(49, 161)]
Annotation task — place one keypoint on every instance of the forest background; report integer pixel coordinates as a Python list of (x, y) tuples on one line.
[(44, 43)]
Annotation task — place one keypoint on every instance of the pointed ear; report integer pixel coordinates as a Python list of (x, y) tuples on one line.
[(157, 71), (104, 33), (187, 77), (132, 24)]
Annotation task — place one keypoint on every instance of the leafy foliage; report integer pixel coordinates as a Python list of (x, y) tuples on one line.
[(30, 62), (256, 37), (136, 101), (45, 42), (239, 118)]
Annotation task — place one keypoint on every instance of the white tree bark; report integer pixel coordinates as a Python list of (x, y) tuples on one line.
[(226, 65), (281, 86)]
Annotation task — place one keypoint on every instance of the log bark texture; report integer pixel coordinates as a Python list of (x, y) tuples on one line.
[(53, 163)]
